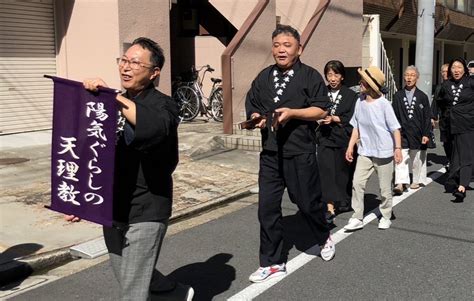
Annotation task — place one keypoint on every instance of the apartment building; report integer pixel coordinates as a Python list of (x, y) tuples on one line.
[(79, 39)]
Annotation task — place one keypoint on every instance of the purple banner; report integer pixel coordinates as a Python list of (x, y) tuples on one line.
[(83, 151)]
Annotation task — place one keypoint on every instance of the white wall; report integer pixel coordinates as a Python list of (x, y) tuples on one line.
[(208, 52), (151, 19), (296, 13)]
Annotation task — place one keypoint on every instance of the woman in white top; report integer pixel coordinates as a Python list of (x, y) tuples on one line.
[(377, 134)]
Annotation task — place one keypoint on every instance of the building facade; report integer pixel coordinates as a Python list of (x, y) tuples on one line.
[(79, 39)]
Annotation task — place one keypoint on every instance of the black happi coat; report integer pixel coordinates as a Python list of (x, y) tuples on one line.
[(458, 114), (143, 186), (413, 129), (338, 134), (306, 89), (434, 104)]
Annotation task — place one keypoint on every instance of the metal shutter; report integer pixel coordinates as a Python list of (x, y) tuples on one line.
[(27, 52)]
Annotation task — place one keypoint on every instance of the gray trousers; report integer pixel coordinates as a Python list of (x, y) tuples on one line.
[(364, 169), (134, 251)]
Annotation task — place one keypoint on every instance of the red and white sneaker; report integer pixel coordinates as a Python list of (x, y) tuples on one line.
[(265, 273), (328, 251)]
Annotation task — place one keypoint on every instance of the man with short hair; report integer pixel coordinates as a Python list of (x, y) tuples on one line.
[(413, 112), (444, 72), (288, 98), (146, 156), (470, 66)]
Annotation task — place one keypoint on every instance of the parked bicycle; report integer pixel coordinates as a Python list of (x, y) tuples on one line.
[(192, 100)]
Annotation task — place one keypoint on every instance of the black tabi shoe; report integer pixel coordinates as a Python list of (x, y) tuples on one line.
[(459, 196), (330, 217)]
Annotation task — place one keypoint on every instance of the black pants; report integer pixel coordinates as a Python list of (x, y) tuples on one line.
[(300, 175), (462, 161), (447, 140), (336, 175), (448, 149)]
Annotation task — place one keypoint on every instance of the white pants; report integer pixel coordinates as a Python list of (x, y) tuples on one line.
[(415, 160)]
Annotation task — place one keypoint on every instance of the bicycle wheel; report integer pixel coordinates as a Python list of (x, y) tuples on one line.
[(188, 103), (217, 108)]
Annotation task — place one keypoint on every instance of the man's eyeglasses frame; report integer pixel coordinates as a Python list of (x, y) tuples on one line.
[(135, 65)]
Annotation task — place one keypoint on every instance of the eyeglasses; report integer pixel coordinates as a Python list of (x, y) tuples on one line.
[(135, 65)]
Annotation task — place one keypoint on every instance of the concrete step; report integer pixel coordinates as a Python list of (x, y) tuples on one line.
[(243, 142)]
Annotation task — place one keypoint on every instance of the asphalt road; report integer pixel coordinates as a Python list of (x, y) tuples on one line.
[(427, 254)]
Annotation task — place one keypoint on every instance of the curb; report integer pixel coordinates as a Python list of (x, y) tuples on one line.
[(21, 268), (219, 201)]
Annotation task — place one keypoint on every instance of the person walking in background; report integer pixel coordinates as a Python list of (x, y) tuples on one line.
[(288, 98), (333, 136), (377, 129), (413, 112), (438, 114), (470, 66), (457, 94), (146, 156)]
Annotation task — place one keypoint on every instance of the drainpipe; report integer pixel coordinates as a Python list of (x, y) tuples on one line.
[(425, 44)]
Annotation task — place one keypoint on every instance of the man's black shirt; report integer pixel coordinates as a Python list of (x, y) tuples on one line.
[(305, 89), (143, 186), (415, 121)]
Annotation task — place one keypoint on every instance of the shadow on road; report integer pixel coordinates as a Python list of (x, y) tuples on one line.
[(209, 278), (297, 233), (433, 159), (12, 270), (371, 201)]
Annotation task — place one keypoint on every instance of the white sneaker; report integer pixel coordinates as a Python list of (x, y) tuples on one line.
[(384, 223), (265, 273), (354, 224), (328, 251)]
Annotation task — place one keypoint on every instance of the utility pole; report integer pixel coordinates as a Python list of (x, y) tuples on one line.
[(425, 44)]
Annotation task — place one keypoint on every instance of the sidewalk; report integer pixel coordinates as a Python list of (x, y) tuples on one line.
[(206, 176)]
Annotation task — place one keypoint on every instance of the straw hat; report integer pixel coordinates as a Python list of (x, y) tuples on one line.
[(374, 77)]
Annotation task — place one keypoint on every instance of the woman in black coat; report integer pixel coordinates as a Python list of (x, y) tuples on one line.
[(457, 98), (333, 135)]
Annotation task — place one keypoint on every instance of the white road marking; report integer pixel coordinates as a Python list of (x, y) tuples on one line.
[(255, 289)]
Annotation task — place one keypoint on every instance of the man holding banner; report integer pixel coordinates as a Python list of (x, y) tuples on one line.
[(145, 158)]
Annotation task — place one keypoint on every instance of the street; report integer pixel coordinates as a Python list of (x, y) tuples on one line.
[(427, 254)]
